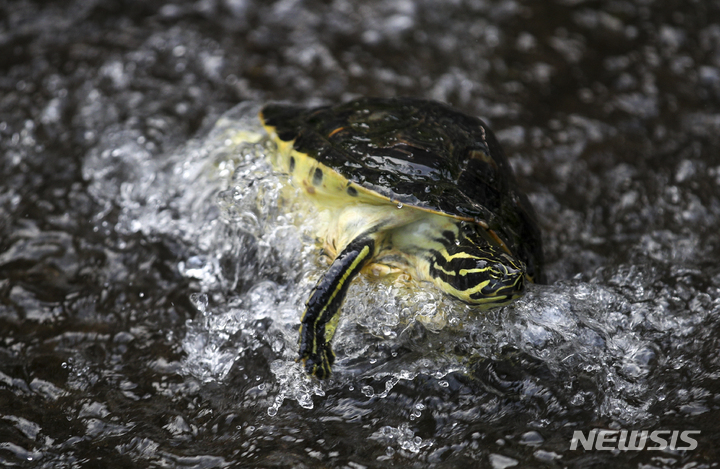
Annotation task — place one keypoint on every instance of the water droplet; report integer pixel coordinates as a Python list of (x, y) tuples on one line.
[(399, 205), (200, 300)]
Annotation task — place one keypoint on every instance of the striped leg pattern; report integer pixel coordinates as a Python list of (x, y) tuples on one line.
[(320, 318)]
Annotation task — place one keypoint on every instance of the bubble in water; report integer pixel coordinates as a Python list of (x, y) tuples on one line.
[(200, 300), (198, 267), (499, 461), (293, 383), (402, 438)]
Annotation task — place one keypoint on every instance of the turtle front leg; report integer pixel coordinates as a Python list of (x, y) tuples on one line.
[(321, 310)]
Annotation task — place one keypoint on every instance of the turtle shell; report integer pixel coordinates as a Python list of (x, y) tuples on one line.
[(419, 153)]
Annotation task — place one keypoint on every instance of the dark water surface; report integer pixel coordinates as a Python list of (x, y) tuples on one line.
[(152, 271)]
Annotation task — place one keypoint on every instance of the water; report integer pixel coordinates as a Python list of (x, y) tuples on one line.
[(152, 268)]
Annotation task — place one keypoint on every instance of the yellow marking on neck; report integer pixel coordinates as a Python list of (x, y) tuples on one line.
[(458, 255), (464, 272), (465, 295), (437, 266)]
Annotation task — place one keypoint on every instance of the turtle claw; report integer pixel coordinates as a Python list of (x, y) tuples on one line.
[(319, 363)]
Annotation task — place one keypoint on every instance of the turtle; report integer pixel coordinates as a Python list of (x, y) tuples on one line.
[(408, 186)]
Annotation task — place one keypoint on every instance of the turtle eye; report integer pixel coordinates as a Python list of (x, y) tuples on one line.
[(507, 283), (469, 230)]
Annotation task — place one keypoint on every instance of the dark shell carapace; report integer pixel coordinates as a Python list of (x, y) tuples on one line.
[(421, 153)]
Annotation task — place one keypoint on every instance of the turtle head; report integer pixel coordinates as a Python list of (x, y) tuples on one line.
[(478, 271)]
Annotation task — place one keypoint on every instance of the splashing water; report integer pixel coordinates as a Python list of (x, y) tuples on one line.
[(575, 347), (255, 259), (151, 296)]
